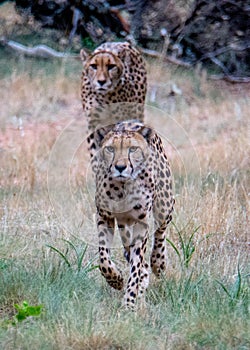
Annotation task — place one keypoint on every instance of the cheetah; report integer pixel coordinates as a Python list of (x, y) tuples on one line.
[(114, 86), (133, 180)]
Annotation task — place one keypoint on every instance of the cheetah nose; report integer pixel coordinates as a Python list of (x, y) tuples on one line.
[(120, 168), (101, 82)]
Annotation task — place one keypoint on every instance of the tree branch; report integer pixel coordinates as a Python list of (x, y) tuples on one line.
[(155, 54), (36, 51), (230, 78)]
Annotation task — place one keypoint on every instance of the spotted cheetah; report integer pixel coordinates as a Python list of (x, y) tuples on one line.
[(133, 179), (114, 85)]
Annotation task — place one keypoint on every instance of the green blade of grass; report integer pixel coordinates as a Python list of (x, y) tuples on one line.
[(192, 235), (72, 246), (80, 258), (224, 288), (174, 247), (180, 238), (188, 255), (238, 284), (60, 253)]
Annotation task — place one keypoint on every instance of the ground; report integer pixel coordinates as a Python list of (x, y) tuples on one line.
[(46, 193)]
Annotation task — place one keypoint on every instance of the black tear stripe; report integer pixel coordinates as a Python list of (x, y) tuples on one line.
[(143, 155), (111, 163), (131, 167)]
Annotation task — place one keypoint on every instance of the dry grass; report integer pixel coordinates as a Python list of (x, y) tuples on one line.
[(212, 134)]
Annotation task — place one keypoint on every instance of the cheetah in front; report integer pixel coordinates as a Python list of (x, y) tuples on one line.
[(133, 179)]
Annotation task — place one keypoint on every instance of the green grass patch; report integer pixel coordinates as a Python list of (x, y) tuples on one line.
[(11, 63), (189, 310)]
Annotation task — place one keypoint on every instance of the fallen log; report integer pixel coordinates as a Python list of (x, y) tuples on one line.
[(42, 51), (230, 78), (171, 59)]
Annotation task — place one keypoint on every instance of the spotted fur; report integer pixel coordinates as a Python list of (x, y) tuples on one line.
[(114, 86), (133, 180)]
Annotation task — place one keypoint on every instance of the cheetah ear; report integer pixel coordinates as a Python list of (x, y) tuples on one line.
[(84, 56), (100, 134), (126, 58), (147, 133)]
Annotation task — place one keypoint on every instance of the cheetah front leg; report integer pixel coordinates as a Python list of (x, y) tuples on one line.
[(108, 269), (159, 255), (158, 259), (134, 240)]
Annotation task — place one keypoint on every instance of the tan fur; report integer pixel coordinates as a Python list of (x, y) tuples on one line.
[(104, 71), (133, 180), (114, 86)]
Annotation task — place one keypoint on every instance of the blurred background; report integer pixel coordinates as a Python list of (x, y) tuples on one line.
[(212, 33)]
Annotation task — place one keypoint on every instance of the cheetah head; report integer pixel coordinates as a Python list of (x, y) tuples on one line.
[(103, 69), (124, 150)]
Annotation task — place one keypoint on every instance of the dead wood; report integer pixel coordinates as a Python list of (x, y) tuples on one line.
[(42, 51), (215, 33)]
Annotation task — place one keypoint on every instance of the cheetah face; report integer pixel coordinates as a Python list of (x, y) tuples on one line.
[(124, 155), (104, 71)]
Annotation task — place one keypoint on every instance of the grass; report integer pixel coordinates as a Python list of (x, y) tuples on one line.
[(203, 300), (81, 312)]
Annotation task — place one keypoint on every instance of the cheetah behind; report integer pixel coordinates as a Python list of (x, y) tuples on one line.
[(114, 86)]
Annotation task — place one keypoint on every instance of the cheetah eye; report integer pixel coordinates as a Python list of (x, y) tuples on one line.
[(111, 66), (93, 66), (110, 149), (133, 149)]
